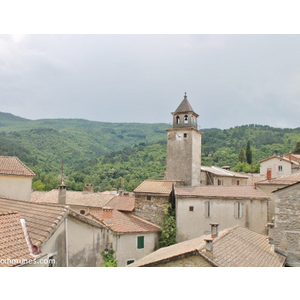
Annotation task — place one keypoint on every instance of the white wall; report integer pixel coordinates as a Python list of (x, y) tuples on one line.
[(192, 224), (15, 187)]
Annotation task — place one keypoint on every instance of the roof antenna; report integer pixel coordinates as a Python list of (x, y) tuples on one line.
[(62, 172)]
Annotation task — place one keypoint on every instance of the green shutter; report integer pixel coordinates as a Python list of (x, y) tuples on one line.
[(140, 242)]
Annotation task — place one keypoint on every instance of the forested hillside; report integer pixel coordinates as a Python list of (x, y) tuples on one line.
[(123, 154)]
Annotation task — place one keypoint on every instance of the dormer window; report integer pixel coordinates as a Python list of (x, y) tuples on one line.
[(186, 119)]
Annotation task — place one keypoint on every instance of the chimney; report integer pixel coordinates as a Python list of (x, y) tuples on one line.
[(269, 174), (209, 246), (290, 156), (255, 185), (214, 230), (107, 214), (88, 188), (62, 191), (113, 191), (121, 192)]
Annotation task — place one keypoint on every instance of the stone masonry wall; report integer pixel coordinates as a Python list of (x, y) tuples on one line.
[(287, 224), (150, 210)]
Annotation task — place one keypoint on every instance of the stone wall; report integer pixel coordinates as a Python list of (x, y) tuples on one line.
[(287, 223), (151, 210)]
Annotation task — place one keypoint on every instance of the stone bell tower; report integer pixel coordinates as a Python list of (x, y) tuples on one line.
[(184, 146)]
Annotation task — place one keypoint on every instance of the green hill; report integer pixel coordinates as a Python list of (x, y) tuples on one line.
[(115, 154)]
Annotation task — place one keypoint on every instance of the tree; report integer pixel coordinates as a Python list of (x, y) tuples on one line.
[(242, 155), (297, 148), (248, 153), (109, 259), (168, 227)]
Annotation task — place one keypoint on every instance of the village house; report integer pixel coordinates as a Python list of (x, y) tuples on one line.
[(64, 237), (268, 186), (15, 178), (130, 237), (278, 166), (85, 202), (221, 176), (232, 247), (151, 196), (197, 207), (286, 227)]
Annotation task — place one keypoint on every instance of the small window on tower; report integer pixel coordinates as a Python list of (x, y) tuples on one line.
[(177, 120)]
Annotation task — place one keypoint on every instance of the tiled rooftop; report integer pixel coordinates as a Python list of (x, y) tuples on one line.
[(222, 172), (41, 219), (73, 198), (122, 203), (13, 246), (235, 247), (280, 158), (231, 192), (155, 187), (10, 165), (125, 222), (283, 180)]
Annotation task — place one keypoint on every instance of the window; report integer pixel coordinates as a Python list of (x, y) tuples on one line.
[(177, 120), (191, 208), (186, 119), (279, 168), (82, 212), (149, 198), (140, 242), (238, 210), (185, 135), (207, 209), (130, 261), (220, 182), (237, 182)]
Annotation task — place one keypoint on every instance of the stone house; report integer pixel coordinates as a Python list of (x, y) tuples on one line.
[(219, 176), (268, 186), (15, 178), (60, 234), (232, 247), (150, 197), (286, 231), (278, 166), (129, 236), (197, 207)]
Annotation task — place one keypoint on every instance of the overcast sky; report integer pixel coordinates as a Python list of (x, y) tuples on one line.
[(230, 80)]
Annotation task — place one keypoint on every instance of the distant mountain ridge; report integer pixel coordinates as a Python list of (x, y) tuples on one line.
[(83, 145)]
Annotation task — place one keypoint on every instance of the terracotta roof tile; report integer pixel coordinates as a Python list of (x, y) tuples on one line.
[(123, 203), (283, 180), (240, 192), (13, 246), (73, 198), (125, 222), (41, 219), (10, 165), (234, 247), (155, 187), (222, 172)]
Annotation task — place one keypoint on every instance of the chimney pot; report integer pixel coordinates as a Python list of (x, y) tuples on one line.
[(107, 214), (214, 230), (209, 246), (290, 156)]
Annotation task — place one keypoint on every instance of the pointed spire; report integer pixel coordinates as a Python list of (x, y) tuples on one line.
[(185, 106)]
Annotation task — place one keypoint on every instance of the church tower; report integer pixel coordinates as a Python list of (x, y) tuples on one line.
[(184, 146)]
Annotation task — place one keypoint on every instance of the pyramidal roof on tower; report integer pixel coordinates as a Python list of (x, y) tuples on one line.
[(185, 106)]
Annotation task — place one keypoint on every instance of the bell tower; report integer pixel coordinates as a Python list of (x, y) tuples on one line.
[(184, 146)]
